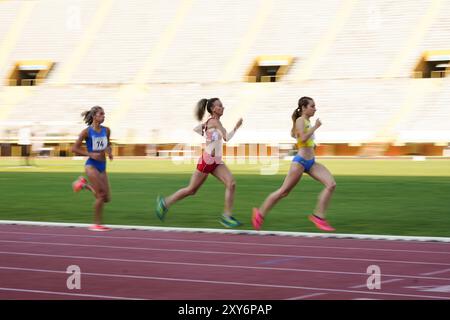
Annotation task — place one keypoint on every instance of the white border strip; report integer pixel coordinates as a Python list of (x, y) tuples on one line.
[(64, 294), (245, 232)]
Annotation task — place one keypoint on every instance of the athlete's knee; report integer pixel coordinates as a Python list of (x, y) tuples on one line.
[(191, 191), (107, 198), (283, 193), (101, 195), (331, 185), (230, 184)]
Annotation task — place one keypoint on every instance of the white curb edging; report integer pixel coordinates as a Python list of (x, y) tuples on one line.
[(226, 231)]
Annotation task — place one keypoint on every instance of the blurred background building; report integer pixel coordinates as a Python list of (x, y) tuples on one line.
[(378, 70)]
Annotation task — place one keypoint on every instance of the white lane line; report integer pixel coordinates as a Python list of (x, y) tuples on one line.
[(306, 296), (435, 272), (227, 253), (216, 265), (68, 294), (232, 283), (227, 242), (382, 282)]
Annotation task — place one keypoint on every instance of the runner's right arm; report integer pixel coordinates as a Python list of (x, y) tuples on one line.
[(77, 147)]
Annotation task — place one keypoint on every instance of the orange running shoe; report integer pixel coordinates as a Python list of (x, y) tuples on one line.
[(98, 227), (257, 219), (322, 224), (79, 184)]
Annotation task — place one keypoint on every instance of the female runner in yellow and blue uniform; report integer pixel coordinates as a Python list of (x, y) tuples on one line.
[(304, 161)]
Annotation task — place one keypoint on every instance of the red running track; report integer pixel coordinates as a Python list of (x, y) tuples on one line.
[(131, 264)]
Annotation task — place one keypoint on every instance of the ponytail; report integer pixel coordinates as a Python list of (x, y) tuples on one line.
[(302, 102), (88, 116), (200, 109), (202, 105), (297, 114)]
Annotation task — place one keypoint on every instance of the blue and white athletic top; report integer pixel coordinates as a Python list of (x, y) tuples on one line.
[(97, 141)]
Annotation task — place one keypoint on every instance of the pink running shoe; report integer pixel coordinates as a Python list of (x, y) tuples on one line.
[(257, 219), (98, 227), (322, 224), (79, 184)]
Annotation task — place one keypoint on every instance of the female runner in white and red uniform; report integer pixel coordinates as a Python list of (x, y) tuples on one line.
[(209, 162)]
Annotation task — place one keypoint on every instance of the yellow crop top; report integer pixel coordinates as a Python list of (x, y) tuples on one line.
[(310, 142)]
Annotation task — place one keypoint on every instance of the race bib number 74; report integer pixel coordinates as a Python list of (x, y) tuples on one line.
[(99, 143)]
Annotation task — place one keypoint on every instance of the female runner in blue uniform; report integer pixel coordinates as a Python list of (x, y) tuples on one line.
[(98, 145)]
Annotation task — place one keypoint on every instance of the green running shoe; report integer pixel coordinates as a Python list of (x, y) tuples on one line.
[(229, 222), (161, 208)]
